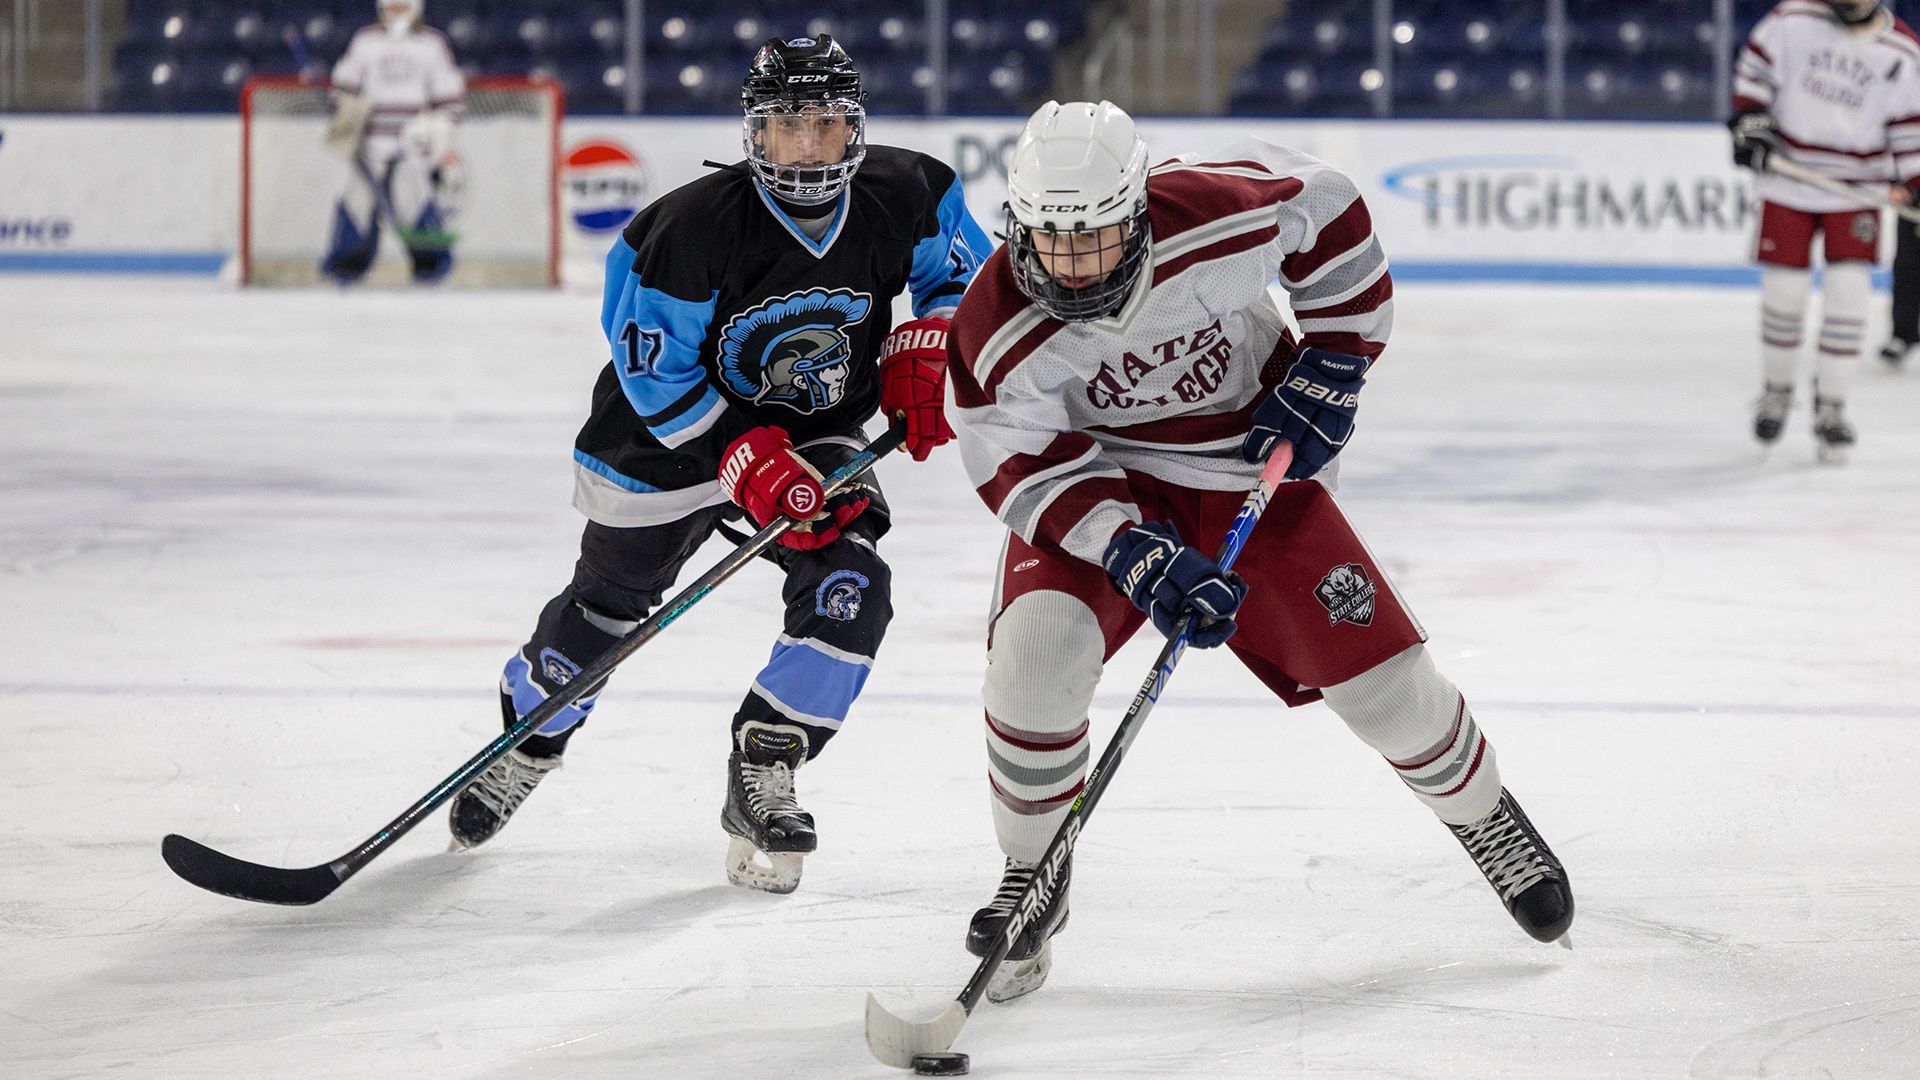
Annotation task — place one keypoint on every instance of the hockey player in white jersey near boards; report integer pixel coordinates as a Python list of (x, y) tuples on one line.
[(1120, 372), (1835, 86), (398, 96)]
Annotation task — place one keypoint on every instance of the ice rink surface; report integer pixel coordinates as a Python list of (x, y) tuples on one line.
[(262, 556)]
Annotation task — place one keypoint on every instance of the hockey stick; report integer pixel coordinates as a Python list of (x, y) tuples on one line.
[(224, 874), (410, 238), (895, 1041), (1870, 198)]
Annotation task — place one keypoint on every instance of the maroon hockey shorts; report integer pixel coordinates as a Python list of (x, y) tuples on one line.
[(1319, 610), (1786, 235)]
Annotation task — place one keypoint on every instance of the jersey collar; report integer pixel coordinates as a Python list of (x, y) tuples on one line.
[(825, 243)]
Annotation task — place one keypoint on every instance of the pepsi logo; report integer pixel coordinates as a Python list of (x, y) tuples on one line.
[(606, 185)]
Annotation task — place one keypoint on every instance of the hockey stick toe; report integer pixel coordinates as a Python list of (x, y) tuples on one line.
[(895, 1041), (200, 865)]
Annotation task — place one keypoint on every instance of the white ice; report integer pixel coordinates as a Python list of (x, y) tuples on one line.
[(263, 554)]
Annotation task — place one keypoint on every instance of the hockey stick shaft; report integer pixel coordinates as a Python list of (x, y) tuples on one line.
[(897, 1045), (224, 874), (1871, 198)]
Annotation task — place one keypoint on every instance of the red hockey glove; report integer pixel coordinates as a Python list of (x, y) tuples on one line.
[(913, 382), (841, 511), (767, 477)]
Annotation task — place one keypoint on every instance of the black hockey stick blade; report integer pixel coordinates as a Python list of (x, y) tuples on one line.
[(895, 1041), (200, 865)]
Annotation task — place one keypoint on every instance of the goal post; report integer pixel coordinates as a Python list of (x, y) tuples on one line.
[(506, 233)]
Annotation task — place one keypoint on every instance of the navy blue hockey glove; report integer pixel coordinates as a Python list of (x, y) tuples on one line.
[(1167, 579), (1312, 408)]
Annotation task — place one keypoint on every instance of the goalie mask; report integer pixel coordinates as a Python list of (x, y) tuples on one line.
[(1077, 232), (805, 125), (400, 15)]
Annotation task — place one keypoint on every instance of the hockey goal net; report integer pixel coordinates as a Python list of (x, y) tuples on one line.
[(506, 227)]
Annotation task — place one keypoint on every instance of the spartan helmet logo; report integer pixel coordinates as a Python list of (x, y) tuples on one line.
[(807, 365), (793, 350), (1347, 594), (839, 596)]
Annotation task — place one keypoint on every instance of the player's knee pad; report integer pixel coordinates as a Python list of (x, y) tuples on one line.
[(1415, 718), (1044, 662), (1784, 291), (1042, 667), (841, 594), (567, 638), (839, 604)]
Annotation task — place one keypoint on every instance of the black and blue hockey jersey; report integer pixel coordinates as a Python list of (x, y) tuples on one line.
[(723, 314)]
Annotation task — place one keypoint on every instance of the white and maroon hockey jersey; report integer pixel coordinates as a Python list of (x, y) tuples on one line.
[(399, 75), (1051, 415), (1845, 102)]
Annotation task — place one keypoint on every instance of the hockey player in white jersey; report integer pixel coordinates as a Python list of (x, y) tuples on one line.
[(1835, 86), (1120, 373), (397, 100)]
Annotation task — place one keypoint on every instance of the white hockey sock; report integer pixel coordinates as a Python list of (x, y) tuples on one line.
[(1783, 315), (1041, 673), (1844, 297), (1414, 717)]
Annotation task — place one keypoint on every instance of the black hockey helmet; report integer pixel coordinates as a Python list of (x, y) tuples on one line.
[(813, 84)]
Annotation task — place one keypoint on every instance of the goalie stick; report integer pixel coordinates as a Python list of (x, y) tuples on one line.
[(216, 872), (897, 1041)]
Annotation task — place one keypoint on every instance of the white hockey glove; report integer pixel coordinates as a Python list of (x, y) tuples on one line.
[(429, 135)]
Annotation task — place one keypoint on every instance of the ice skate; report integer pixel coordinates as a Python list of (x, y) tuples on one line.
[(1771, 414), (1031, 958), (1894, 353), (1833, 435), (770, 832), (1521, 868), (484, 807)]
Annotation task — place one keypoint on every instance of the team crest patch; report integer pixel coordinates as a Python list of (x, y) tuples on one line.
[(1865, 225), (839, 596), (793, 350), (1347, 594), (557, 669)]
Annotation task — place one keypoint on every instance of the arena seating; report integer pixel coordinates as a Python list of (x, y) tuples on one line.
[(194, 55)]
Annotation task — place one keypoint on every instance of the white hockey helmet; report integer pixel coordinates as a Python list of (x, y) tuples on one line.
[(1077, 168)]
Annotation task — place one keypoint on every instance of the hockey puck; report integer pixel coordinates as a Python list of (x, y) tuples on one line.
[(947, 1064)]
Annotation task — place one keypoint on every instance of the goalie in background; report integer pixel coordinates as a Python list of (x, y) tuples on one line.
[(397, 100)]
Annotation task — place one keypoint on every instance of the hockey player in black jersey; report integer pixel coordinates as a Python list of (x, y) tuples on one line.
[(747, 318)]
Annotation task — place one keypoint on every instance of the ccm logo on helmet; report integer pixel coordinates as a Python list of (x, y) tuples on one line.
[(1062, 208), (806, 78)]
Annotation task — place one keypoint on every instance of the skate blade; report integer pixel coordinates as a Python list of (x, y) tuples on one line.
[(1832, 455), (751, 868), (1018, 978), (1566, 941)]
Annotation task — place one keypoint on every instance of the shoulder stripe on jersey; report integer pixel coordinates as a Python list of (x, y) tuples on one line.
[(1004, 339), (1180, 243)]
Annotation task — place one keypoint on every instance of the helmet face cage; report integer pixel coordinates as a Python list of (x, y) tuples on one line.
[(1095, 300), (806, 183), (796, 82)]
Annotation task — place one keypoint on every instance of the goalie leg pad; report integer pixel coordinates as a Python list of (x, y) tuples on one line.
[(1414, 717)]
